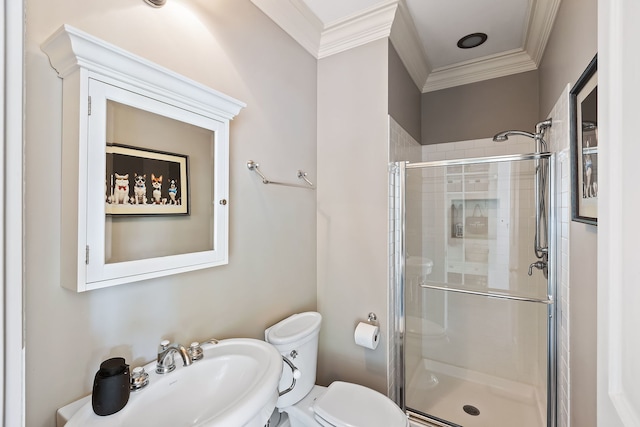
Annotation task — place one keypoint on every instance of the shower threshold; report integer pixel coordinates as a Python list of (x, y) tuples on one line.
[(452, 396)]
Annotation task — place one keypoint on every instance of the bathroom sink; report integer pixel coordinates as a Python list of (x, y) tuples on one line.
[(235, 384)]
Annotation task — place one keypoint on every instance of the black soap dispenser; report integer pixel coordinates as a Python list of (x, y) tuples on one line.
[(111, 387)]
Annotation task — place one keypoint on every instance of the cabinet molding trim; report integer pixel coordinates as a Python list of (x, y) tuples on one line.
[(70, 49)]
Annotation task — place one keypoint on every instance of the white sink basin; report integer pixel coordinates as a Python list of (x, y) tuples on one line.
[(235, 384)]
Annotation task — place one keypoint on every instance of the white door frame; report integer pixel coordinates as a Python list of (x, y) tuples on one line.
[(619, 207), (11, 266)]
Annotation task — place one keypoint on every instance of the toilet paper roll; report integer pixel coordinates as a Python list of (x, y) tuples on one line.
[(367, 335)]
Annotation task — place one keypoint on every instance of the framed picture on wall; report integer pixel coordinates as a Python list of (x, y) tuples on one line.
[(583, 101), (145, 182)]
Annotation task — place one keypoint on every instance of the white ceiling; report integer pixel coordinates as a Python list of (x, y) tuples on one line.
[(334, 10), (441, 24), (425, 33)]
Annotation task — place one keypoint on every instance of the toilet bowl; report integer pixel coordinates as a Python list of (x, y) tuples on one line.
[(341, 404)]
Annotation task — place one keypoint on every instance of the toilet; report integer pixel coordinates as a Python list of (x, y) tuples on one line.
[(341, 404)]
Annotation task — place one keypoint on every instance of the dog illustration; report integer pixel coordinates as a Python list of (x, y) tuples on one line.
[(173, 192), (139, 189), (156, 183), (121, 191)]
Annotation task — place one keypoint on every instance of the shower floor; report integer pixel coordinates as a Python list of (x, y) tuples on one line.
[(442, 391)]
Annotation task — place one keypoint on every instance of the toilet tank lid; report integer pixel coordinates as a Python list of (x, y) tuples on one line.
[(294, 328), (347, 404)]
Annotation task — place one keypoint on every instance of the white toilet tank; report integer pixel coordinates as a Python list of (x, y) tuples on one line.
[(296, 338)]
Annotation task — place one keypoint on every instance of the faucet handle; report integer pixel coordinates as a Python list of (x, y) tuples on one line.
[(540, 265), (139, 378), (164, 344), (195, 351)]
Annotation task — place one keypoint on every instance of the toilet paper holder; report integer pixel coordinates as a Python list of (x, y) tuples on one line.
[(367, 333), (372, 319)]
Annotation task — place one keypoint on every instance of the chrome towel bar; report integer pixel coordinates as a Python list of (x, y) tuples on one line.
[(253, 166)]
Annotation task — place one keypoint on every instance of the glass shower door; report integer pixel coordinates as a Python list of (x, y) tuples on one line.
[(478, 312)]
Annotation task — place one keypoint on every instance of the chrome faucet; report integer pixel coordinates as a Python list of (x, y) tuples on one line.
[(166, 362)]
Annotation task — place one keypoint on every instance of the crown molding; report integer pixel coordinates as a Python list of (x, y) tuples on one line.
[(540, 26), (356, 30), (485, 68), (406, 41), (296, 19), (392, 19)]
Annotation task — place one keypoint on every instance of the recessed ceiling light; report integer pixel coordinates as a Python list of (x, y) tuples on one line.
[(472, 40)]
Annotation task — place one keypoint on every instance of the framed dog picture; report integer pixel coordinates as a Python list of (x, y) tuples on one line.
[(145, 182), (584, 146)]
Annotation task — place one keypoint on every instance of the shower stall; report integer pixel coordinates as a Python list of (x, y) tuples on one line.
[(474, 288)]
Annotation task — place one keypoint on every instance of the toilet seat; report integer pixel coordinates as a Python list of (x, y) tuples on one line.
[(352, 405)]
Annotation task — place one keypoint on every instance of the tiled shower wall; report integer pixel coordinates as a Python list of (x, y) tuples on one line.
[(558, 139), (477, 148), (402, 147)]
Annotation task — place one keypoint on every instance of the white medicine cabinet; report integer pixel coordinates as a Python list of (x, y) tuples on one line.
[(145, 157)]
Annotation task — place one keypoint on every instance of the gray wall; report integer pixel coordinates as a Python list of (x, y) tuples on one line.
[(272, 260), (583, 324), (572, 44), (404, 96), (480, 110), (353, 152)]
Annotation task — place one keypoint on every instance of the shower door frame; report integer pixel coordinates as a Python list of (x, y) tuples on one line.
[(396, 371)]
